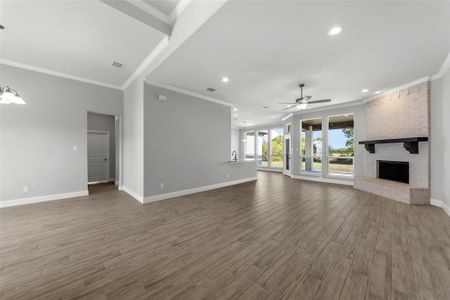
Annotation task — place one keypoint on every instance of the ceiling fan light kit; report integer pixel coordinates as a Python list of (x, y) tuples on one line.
[(304, 101), (8, 96)]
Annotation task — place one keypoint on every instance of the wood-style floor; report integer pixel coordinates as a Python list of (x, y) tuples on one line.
[(277, 238)]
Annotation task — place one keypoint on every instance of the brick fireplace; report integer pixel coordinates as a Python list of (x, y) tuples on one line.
[(394, 118)]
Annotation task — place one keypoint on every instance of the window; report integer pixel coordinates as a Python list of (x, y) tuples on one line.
[(340, 145), (311, 145), (249, 145), (262, 150), (276, 141)]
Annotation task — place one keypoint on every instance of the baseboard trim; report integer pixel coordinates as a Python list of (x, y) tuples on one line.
[(325, 180), (441, 204), (100, 181), (30, 200), (159, 197), (131, 193), (270, 170)]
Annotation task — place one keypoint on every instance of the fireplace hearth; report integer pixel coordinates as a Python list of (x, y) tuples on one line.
[(393, 170)]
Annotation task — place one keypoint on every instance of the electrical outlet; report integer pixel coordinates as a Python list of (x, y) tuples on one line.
[(26, 189), (75, 148), (162, 185), (228, 175)]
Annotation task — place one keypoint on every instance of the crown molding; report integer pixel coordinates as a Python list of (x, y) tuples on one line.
[(287, 117), (444, 68), (147, 61), (57, 74), (190, 93), (396, 89), (335, 106), (263, 126)]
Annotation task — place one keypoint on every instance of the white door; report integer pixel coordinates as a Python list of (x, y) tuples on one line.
[(98, 156)]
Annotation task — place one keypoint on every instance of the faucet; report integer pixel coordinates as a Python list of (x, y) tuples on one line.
[(234, 155)]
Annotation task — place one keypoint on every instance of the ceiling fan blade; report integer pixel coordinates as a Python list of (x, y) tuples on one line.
[(287, 103), (319, 101), (289, 107)]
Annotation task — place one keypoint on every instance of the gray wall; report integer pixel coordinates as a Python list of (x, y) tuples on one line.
[(235, 141), (440, 139), (103, 122), (187, 143), (37, 139)]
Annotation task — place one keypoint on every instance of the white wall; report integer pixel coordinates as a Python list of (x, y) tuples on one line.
[(187, 143), (440, 139), (133, 154), (38, 138)]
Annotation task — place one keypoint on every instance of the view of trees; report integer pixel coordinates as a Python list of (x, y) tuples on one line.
[(349, 143), (277, 150)]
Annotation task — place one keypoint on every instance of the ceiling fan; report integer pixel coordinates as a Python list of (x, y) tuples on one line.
[(303, 102)]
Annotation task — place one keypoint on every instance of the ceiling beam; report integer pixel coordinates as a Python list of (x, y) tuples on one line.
[(140, 15)]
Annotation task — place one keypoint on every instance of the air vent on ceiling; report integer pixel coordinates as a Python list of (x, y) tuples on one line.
[(211, 90), (117, 64)]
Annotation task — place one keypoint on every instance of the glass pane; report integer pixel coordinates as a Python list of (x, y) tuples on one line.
[(276, 136), (340, 145), (250, 145), (262, 150), (311, 145)]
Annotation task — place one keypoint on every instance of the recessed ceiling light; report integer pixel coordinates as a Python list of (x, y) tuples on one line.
[(235, 109), (377, 92), (364, 90), (225, 79), (335, 30)]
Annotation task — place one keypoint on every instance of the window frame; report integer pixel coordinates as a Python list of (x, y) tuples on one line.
[(270, 147), (254, 145), (337, 175), (304, 172)]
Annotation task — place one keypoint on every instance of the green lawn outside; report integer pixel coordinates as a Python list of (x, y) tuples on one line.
[(332, 168)]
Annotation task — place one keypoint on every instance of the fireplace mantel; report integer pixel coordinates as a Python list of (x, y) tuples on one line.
[(411, 144)]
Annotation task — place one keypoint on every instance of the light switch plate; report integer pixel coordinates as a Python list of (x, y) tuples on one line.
[(26, 189)]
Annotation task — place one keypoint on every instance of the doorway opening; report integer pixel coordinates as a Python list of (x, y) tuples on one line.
[(102, 152)]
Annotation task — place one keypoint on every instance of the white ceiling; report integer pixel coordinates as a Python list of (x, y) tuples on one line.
[(267, 47), (79, 38)]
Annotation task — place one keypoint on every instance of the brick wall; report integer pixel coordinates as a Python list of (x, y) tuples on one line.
[(401, 114)]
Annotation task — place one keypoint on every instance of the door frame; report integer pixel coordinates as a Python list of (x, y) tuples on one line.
[(108, 176), (118, 146), (287, 135)]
